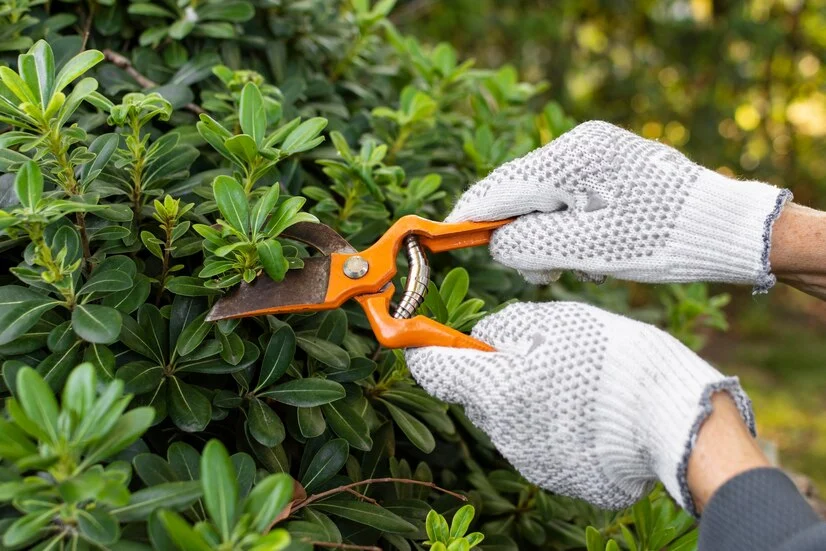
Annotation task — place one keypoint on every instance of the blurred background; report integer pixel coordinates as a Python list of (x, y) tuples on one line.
[(737, 85)]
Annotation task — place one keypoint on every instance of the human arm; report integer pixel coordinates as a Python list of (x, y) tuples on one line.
[(745, 503), (798, 252)]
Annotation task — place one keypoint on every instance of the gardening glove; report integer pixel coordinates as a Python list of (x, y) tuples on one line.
[(603, 201), (582, 402)]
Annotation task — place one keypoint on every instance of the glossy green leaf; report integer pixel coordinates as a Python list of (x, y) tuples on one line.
[(263, 208), (277, 356), (75, 67), (168, 495), (268, 499), (37, 401), (415, 430), (96, 324), (324, 351), (304, 135), (232, 202), (272, 258), (325, 463), (348, 424), (252, 115), (220, 487), (368, 514), (28, 184), (193, 335), (181, 532), (309, 392), (190, 410), (264, 425), (106, 282)]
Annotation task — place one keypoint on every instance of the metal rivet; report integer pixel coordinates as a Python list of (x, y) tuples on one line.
[(355, 267)]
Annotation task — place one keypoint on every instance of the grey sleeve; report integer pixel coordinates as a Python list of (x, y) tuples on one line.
[(760, 510)]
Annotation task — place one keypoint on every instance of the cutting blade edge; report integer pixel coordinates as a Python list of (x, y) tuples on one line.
[(300, 290)]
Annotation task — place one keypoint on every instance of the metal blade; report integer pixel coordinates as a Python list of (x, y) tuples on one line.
[(322, 237), (307, 286)]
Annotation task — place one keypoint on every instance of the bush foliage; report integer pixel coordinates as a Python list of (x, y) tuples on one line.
[(151, 155)]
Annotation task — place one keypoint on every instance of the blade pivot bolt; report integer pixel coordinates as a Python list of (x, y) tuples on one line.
[(355, 267)]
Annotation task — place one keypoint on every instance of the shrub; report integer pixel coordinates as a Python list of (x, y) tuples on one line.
[(151, 162)]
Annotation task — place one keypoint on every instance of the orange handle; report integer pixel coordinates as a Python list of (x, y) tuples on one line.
[(381, 256), (414, 332)]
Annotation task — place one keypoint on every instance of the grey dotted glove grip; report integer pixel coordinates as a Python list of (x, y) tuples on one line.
[(603, 201), (582, 402)]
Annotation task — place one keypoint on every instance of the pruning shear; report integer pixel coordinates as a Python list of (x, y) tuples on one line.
[(341, 273)]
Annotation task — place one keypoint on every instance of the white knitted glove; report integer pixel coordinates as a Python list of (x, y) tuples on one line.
[(582, 402), (603, 201)]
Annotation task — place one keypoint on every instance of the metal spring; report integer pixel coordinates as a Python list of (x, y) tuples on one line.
[(418, 277)]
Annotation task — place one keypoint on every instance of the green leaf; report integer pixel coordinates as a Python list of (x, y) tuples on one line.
[(96, 324), (75, 67), (252, 114), (311, 422), (190, 287), (28, 184), (328, 461), (232, 202), (108, 281), (128, 428), (243, 147), (134, 337), (193, 335), (79, 390), (461, 521), (17, 86), (309, 392), (368, 514), (267, 499), (436, 527), (55, 367), (38, 402), (324, 351), (98, 526), (102, 359), (348, 424), (20, 309), (220, 487), (415, 430), (44, 63), (277, 356), (284, 216), (153, 469), (593, 539), (264, 425), (263, 207), (454, 288), (190, 410), (25, 528), (272, 258), (182, 533), (171, 495), (302, 137)]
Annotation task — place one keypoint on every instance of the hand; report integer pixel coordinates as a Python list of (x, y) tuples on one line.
[(798, 253), (603, 201), (582, 402)]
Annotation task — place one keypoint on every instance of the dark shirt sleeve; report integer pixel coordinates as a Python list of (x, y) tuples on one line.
[(760, 510)]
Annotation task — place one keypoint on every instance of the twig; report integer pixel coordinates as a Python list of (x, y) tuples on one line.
[(87, 26), (334, 545), (120, 61), (316, 497), (361, 496)]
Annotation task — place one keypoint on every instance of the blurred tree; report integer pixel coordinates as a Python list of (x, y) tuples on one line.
[(735, 84)]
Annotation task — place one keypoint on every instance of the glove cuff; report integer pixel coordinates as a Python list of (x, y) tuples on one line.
[(654, 408), (724, 233), (678, 485)]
